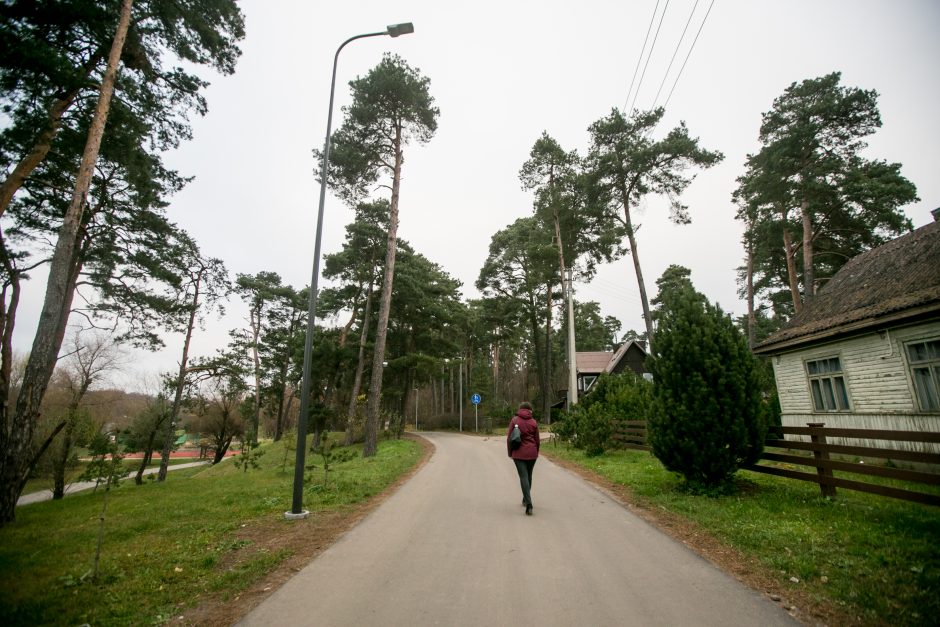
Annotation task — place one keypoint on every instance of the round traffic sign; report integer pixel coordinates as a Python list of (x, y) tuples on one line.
[(475, 399)]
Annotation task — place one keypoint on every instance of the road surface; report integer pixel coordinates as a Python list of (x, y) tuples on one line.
[(453, 547)]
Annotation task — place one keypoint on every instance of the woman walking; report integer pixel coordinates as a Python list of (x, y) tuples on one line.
[(525, 450)]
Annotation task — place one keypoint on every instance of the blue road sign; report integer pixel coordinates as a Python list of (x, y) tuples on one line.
[(475, 399)]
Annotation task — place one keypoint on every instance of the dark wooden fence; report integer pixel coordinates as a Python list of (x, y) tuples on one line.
[(820, 465), (631, 434)]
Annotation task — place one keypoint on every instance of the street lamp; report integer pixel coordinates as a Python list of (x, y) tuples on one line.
[(297, 510)]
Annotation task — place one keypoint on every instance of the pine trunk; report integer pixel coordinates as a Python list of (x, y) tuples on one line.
[(370, 447), (495, 354), (751, 320), (279, 421), (168, 436), (809, 274), (283, 407), (360, 364), (15, 446), (790, 254), (256, 362), (411, 396), (631, 235), (537, 348)]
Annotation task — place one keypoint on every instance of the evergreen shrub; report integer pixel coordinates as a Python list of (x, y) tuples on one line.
[(613, 399), (708, 415)]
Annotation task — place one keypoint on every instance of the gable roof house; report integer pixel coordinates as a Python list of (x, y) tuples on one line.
[(592, 364), (865, 351)]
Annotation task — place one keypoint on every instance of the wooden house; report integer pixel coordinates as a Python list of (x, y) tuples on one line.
[(865, 351), (592, 364)]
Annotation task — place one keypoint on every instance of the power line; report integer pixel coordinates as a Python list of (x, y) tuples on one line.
[(640, 58), (689, 54), (650, 55), (674, 53), (615, 290)]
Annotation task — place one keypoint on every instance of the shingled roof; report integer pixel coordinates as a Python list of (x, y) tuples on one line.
[(896, 282), (592, 362)]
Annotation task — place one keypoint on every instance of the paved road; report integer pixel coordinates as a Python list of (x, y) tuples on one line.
[(78, 486), (453, 547)]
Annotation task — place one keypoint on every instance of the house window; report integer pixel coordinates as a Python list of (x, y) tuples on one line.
[(587, 381), (827, 383), (924, 359)]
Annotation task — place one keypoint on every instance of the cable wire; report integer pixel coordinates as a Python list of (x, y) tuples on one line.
[(674, 53), (689, 54), (650, 55), (640, 58)]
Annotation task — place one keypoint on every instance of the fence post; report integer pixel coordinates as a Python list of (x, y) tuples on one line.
[(828, 489)]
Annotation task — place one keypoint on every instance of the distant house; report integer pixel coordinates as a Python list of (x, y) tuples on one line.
[(592, 364), (865, 352)]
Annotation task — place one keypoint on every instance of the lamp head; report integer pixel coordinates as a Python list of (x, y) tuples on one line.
[(400, 29)]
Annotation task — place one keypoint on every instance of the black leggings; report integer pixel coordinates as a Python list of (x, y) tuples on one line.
[(525, 467)]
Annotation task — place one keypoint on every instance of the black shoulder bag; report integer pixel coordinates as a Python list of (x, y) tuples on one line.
[(515, 438)]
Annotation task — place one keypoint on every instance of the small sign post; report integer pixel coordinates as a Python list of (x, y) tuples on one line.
[(475, 399)]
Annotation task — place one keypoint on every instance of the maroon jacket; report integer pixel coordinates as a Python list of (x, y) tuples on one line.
[(530, 436)]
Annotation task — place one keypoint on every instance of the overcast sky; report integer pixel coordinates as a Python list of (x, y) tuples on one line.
[(503, 72)]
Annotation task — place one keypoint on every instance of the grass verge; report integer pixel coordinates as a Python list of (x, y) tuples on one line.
[(857, 559), (204, 534)]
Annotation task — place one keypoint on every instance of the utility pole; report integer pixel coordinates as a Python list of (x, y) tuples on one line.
[(572, 354)]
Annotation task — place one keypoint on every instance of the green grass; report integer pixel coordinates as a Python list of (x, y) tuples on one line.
[(876, 558), (166, 543)]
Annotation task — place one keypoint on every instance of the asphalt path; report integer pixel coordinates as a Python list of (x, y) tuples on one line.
[(453, 547), (78, 486)]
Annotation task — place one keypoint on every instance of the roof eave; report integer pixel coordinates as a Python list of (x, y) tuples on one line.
[(908, 316)]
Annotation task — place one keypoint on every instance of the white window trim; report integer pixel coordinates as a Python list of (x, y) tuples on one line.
[(842, 374), (909, 370)]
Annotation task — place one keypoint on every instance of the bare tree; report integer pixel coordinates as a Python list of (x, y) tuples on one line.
[(218, 417), (91, 357)]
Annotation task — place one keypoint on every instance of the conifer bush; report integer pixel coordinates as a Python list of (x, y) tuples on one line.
[(707, 417), (612, 400)]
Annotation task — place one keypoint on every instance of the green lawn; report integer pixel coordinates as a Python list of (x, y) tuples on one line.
[(168, 543), (876, 558)]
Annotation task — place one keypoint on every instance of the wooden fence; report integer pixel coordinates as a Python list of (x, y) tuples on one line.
[(632, 435)]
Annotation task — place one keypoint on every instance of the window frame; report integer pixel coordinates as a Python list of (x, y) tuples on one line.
[(588, 380), (830, 385), (933, 367)]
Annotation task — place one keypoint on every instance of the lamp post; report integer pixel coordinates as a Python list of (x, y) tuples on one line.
[(297, 510)]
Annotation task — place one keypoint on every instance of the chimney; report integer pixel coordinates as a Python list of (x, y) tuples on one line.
[(936, 214)]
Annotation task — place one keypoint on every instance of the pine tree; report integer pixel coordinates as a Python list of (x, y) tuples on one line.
[(392, 106), (707, 417), (625, 165)]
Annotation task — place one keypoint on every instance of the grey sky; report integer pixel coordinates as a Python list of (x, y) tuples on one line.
[(501, 73)]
